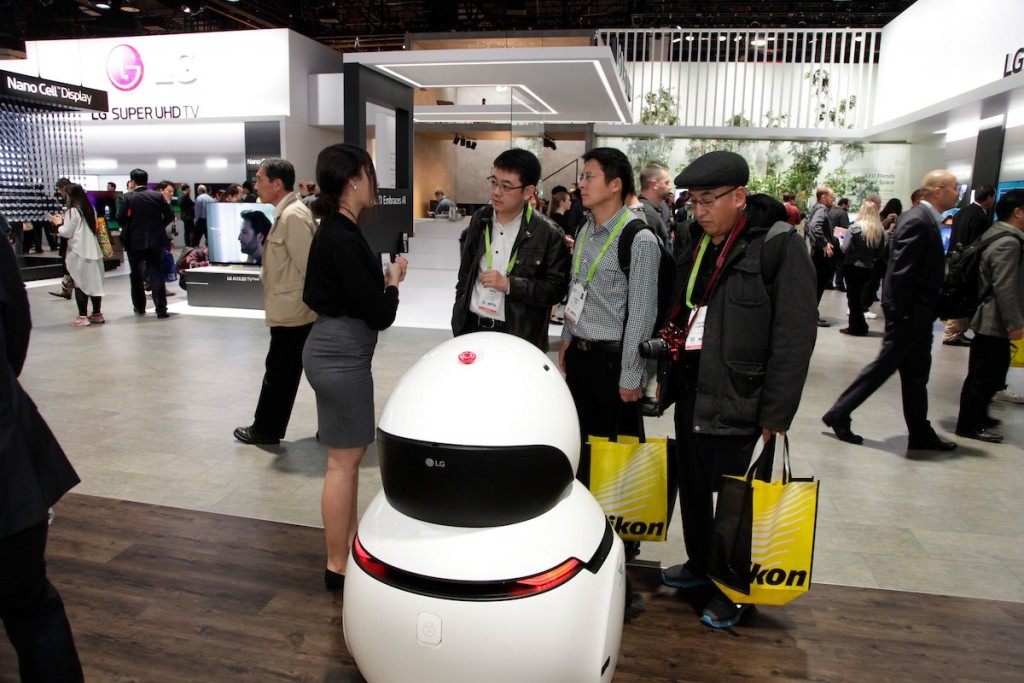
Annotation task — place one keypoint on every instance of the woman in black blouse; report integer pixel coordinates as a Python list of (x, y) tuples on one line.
[(354, 300)]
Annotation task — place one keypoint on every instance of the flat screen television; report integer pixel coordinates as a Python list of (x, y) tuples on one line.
[(106, 203), (224, 231), (947, 232)]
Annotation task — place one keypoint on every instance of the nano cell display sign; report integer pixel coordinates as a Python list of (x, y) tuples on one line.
[(52, 92)]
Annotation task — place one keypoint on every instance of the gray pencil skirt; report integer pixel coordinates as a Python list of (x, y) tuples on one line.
[(337, 359)]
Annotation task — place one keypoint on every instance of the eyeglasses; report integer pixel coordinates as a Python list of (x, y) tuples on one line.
[(502, 187), (587, 177), (706, 202)]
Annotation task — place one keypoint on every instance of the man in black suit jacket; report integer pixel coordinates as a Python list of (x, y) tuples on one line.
[(910, 295), (968, 224), (34, 474), (145, 215)]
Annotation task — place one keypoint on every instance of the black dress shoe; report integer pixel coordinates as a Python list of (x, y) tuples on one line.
[(957, 342), (842, 429), (251, 436), (333, 581), (934, 443), (852, 333), (824, 323), (981, 435)]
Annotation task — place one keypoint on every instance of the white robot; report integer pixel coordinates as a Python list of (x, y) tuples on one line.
[(483, 559)]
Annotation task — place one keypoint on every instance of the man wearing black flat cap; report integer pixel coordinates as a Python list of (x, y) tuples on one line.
[(745, 301)]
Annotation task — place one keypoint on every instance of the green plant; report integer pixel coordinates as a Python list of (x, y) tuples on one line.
[(854, 187), (659, 109)]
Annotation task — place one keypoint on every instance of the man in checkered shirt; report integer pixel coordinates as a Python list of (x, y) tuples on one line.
[(608, 314)]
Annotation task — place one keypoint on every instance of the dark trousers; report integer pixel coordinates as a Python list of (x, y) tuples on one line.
[(702, 462), (986, 374), (856, 279), (280, 380), (593, 379), (33, 613), (190, 229), (62, 251), (869, 293), (56, 242), (33, 239), (82, 299), (823, 268), (145, 266), (906, 348), (200, 232)]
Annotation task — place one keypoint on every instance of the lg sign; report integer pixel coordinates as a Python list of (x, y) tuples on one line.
[(124, 67)]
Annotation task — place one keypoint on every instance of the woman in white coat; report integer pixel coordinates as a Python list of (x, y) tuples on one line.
[(84, 259)]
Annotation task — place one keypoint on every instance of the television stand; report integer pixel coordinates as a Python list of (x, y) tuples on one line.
[(225, 287)]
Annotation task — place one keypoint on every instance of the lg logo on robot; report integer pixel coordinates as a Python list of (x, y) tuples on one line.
[(430, 462)]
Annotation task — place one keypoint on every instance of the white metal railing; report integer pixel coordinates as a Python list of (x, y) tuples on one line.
[(789, 78)]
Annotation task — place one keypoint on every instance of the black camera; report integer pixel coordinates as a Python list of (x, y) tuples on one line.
[(671, 340)]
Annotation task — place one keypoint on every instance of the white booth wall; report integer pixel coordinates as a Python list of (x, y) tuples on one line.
[(187, 98)]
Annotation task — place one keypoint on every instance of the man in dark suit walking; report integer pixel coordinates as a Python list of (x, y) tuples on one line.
[(145, 215), (968, 224), (909, 298)]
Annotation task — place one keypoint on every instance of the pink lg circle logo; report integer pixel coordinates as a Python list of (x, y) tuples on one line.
[(124, 67)]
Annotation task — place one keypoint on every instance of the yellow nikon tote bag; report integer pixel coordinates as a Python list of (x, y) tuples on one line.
[(764, 536), (629, 477), (1017, 353)]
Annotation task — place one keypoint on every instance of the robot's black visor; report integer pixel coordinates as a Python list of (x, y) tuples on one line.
[(471, 486)]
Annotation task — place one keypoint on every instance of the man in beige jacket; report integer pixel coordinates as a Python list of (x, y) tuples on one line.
[(285, 253)]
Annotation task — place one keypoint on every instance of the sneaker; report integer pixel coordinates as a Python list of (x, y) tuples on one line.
[(1009, 396), (97, 319), (722, 612), (870, 315), (80, 321), (678, 576)]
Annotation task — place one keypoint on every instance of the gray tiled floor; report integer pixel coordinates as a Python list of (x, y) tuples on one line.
[(145, 409)]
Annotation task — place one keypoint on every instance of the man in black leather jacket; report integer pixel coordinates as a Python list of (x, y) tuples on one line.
[(749, 285), (515, 262)]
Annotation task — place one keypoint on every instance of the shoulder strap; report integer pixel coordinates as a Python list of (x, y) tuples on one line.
[(626, 242), (770, 266)]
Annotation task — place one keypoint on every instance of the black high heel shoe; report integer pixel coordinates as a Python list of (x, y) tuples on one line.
[(333, 581)]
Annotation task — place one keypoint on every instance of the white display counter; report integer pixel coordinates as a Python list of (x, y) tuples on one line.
[(225, 287)]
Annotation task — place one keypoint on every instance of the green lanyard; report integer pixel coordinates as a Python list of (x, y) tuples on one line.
[(528, 214), (694, 270), (579, 248)]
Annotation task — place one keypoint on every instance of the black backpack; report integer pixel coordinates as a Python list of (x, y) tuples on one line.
[(666, 267), (958, 295)]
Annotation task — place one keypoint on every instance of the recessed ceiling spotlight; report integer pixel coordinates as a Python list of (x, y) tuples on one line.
[(102, 5), (129, 6)]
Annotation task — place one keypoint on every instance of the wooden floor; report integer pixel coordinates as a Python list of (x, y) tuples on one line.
[(162, 594)]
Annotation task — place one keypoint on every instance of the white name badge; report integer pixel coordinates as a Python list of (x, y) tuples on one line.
[(695, 339), (490, 300), (574, 308)]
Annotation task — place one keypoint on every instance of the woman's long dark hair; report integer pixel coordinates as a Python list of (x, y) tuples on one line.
[(335, 167), (78, 199), (892, 206)]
